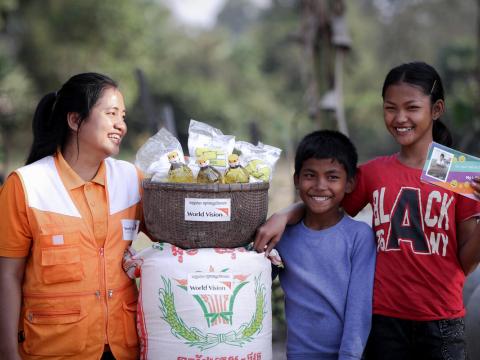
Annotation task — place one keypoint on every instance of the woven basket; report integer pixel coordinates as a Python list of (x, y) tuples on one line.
[(164, 211)]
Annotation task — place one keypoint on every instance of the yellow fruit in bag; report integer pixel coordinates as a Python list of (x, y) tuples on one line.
[(259, 170)]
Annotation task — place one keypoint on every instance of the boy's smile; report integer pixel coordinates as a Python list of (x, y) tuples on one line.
[(322, 184)]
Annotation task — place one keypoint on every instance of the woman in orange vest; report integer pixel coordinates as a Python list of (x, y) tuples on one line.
[(66, 218)]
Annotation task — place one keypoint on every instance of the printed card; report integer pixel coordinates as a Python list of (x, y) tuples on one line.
[(451, 169)]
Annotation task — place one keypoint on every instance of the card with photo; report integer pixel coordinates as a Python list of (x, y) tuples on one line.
[(450, 169)]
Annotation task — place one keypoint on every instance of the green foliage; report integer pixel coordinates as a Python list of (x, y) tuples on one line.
[(247, 69), (6, 7), (16, 101), (278, 312), (457, 63), (439, 32), (239, 72), (79, 36)]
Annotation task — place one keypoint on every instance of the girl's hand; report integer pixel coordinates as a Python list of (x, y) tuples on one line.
[(269, 234), (275, 258), (475, 184)]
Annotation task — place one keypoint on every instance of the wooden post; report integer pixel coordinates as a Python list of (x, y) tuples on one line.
[(147, 103), (342, 42), (340, 110)]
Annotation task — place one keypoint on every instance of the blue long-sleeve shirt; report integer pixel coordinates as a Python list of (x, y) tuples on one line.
[(328, 283)]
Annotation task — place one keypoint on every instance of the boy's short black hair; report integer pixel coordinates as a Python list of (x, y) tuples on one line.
[(327, 144)]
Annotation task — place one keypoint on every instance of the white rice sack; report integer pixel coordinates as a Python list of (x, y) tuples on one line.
[(204, 304)]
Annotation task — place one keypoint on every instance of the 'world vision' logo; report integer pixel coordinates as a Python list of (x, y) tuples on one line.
[(207, 209), (213, 312), (226, 211)]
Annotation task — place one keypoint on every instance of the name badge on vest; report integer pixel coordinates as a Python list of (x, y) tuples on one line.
[(130, 229), (57, 240)]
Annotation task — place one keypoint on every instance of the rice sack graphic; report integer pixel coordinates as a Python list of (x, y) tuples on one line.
[(204, 302)]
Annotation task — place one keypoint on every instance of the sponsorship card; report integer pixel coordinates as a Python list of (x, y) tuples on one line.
[(450, 169)]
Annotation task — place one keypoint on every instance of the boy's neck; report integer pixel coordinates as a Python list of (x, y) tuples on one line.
[(322, 221)]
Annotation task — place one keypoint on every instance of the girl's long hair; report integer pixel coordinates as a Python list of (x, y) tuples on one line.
[(425, 77), (50, 126)]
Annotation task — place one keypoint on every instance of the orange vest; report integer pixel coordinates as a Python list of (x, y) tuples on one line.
[(76, 297)]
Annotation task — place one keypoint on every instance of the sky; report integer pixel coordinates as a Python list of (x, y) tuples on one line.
[(201, 13)]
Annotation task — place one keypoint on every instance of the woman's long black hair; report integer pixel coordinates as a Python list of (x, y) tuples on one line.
[(50, 126)]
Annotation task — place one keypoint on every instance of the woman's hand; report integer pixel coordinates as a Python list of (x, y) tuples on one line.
[(11, 277)]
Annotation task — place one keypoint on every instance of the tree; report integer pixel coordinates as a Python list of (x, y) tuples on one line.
[(15, 94)]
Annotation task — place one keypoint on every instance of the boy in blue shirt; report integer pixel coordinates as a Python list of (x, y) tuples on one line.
[(329, 258)]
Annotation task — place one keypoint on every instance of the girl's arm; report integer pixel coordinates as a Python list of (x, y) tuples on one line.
[(269, 234), (11, 278), (468, 237)]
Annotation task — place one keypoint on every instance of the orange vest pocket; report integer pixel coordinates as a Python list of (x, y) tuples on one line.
[(55, 331), (55, 234), (61, 264), (129, 323)]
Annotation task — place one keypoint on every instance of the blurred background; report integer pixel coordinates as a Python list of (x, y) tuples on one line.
[(268, 70), (259, 69)]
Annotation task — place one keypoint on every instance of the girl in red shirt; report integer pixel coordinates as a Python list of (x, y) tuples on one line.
[(427, 237)]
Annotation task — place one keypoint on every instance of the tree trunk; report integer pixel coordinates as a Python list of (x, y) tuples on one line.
[(477, 67), (5, 149), (309, 28), (147, 102), (340, 111), (322, 58)]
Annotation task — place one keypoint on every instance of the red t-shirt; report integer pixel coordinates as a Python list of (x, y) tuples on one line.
[(418, 275)]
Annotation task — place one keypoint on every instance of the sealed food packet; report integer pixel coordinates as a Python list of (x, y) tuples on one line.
[(152, 157), (209, 143), (258, 160)]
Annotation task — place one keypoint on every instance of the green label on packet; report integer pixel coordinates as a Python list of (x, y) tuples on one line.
[(216, 157)]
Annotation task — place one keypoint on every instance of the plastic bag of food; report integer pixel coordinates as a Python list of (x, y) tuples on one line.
[(258, 160), (153, 156), (207, 142)]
